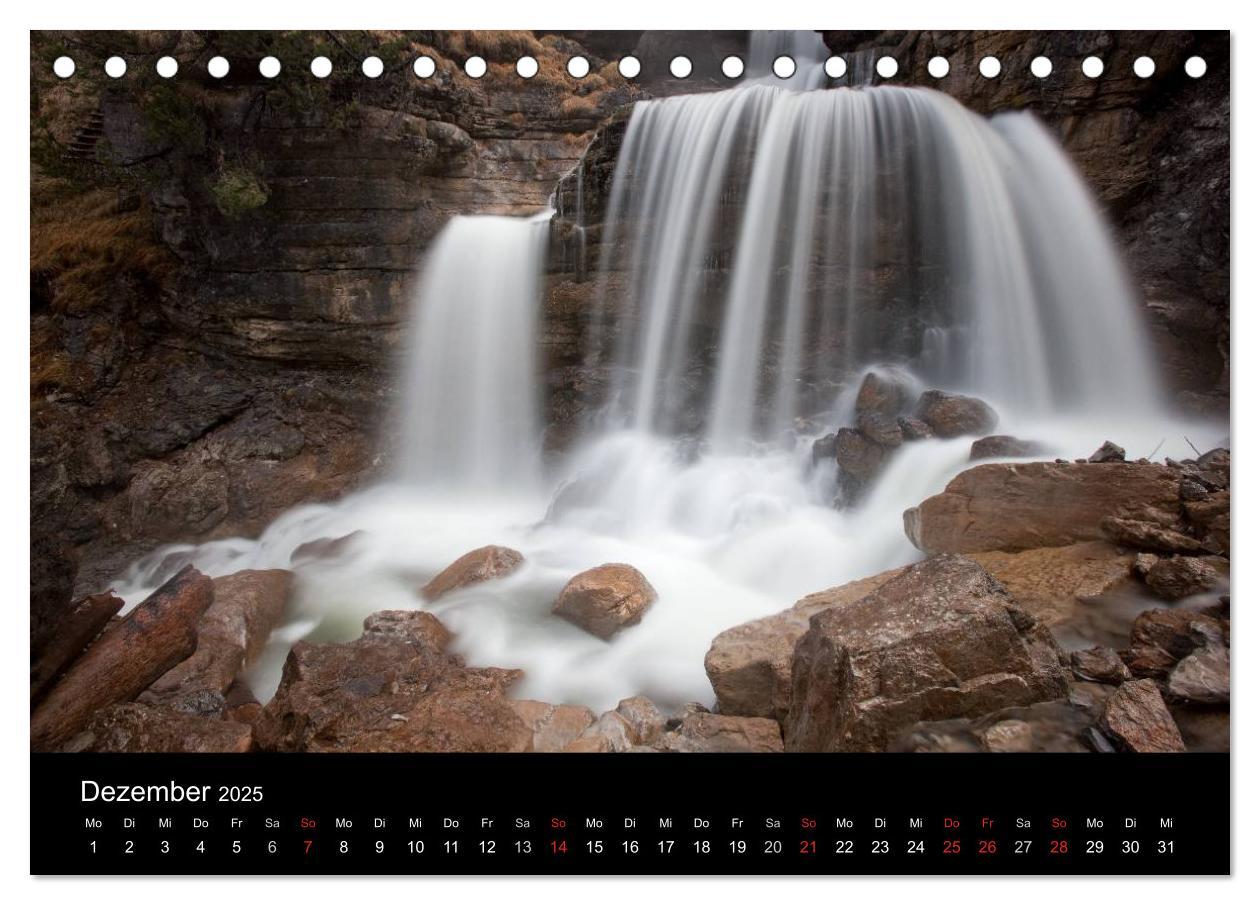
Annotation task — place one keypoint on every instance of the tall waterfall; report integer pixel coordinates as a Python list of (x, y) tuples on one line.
[(804, 235), (469, 414)]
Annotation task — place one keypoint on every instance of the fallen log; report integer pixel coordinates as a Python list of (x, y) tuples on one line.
[(153, 637), (77, 630), (232, 633)]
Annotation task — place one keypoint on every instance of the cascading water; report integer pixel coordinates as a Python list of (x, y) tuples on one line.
[(469, 416), (762, 248), (863, 213)]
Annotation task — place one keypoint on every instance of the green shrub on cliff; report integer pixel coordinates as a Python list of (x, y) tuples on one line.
[(237, 190)]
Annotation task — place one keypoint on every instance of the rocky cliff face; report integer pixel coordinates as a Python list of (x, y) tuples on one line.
[(221, 268)]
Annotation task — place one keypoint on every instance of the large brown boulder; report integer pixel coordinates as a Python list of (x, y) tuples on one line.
[(941, 640), (393, 689), (750, 665), (1021, 506), (605, 599), (473, 567), (231, 634), (1136, 718), (954, 415), (1182, 576), (139, 728), (859, 460), (1051, 583), (882, 394)]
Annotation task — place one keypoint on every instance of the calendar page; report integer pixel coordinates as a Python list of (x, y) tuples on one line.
[(630, 452)]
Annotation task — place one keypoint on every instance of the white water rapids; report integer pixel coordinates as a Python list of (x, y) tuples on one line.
[(800, 237)]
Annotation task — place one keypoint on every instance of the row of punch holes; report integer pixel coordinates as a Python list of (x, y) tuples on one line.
[(680, 67)]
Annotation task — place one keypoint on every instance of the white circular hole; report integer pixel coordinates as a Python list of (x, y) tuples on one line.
[(886, 67), (424, 67), (629, 67), (321, 67), (1144, 67), (269, 67), (63, 67), (579, 67), (1041, 67), (475, 67), (835, 67), (1092, 67), (167, 67), (732, 67), (373, 67), (527, 67), (938, 67), (1195, 67), (990, 67), (680, 67), (115, 67), (784, 67), (218, 67)]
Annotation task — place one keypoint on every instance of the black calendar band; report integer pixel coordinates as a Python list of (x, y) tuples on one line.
[(445, 814)]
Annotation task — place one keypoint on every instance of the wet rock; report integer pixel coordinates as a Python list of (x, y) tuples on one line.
[(882, 393), (325, 548), (914, 429), (1108, 452), (139, 728), (1143, 563), (1024, 505), (644, 719), (824, 449), (1160, 638), (750, 665), (231, 634), (588, 744), (606, 599), (882, 429), (1004, 446), (393, 689), (554, 726), (613, 731), (1136, 719), (953, 415), (1182, 576), (939, 641), (860, 460), (1051, 583), (474, 567), (1048, 726), (1139, 534), (712, 732), (1202, 677), (1209, 520), (1100, 664)]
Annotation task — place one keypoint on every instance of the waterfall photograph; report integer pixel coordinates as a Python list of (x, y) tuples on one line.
[(630, 392)]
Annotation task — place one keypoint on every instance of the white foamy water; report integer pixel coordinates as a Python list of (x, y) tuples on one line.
[(751, 222)]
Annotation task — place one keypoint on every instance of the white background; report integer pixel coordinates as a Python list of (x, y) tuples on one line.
[(15, 794)]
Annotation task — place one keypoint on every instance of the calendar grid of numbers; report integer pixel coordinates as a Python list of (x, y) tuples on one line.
[(602, 814)]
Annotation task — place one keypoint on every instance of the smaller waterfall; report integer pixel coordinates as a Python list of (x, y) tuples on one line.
[(470, 409)]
